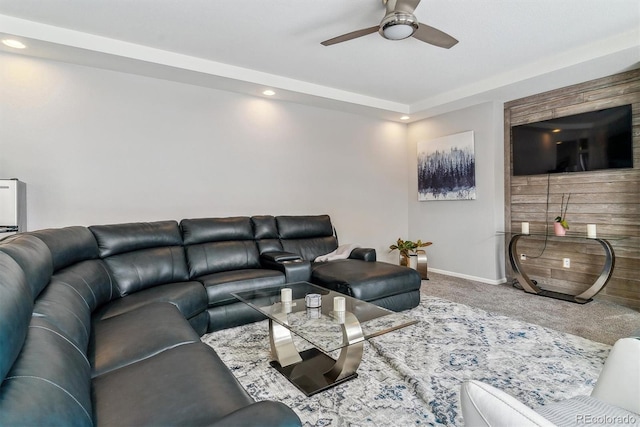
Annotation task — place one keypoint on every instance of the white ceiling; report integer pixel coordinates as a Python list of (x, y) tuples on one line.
[(507, 49)]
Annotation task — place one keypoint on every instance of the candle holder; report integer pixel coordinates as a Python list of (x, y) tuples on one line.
[(285, 295), (313, 300)]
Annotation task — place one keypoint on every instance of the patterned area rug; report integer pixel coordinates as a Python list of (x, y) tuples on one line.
[(412, 376)]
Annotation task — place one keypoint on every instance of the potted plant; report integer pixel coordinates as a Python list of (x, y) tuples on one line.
[(407, 248), (561, 225)]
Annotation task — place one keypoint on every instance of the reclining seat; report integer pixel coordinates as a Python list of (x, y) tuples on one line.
[(147, 263), (360, 276), (223, 255), (148, 364)]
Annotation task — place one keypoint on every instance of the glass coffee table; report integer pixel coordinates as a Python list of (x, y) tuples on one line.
[(328, 331)]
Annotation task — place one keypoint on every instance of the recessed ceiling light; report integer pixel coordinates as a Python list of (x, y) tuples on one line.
[(556, 130), (13, 43), (405, 118), (268, 92)]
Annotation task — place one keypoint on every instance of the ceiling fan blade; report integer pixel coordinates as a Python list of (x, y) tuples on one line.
[(350, 36), (434, 36), (407, 6)]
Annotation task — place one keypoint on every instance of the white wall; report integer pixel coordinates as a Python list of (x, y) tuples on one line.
[(97, 146), (463, 232)]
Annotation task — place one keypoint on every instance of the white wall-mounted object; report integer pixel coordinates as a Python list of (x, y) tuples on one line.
[(13, 207)]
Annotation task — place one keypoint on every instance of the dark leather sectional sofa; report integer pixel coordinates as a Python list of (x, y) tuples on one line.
[(102, 324)]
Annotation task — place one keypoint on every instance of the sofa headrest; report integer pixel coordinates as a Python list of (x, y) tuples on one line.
[(69, 245), (303, 227), (16, 305), (202, 230), (264, 227), (33, 256), (120, 238)]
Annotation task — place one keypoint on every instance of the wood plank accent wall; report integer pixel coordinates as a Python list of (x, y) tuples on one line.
[(609, 198)]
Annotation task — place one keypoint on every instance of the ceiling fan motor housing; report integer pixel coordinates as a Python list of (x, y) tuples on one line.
[(398, 25)]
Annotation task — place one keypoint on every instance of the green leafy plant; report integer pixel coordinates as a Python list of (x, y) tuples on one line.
[(562, 218), (407, 247)]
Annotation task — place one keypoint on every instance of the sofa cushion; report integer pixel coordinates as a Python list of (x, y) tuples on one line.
[(219, 244), (69, 245), (220, 285), (64, 311), (187, 385), (201, 230), (214, 257), (307, 236), (146, 268), (142, 255), (189, 297), (364, 280), (49, 384), (301, 227), (72, 295), (90, 280), (124, 339), (33, 256), (16, 305), (119, 238)]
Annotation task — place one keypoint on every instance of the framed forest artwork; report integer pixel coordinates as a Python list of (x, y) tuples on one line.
[(447, 168)]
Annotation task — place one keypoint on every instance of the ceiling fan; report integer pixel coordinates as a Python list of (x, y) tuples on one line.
[(399, 23)]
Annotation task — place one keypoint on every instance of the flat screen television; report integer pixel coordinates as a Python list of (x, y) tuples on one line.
[(582, 142)]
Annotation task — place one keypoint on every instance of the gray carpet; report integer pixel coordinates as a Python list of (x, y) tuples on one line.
[(598, 320)]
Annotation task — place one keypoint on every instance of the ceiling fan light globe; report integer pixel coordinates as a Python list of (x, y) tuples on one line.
[(398, 26), (398, 31)]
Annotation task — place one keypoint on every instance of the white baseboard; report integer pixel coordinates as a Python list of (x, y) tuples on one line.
[(468, 277)]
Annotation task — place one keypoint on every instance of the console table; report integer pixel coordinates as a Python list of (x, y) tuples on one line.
[(531, 287)]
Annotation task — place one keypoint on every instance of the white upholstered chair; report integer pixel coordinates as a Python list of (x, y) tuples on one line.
[(614, 400)]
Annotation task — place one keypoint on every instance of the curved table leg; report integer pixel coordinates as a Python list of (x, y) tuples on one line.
[(521, 276), (283, 349), (605, 275), (351, 354)]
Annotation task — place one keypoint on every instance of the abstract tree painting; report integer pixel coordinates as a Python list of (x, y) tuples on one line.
[(447, 168)]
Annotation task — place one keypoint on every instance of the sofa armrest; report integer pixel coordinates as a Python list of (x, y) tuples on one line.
[(295, 269), (484, 405), (261, 414), (364, 254), (619, 381)]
